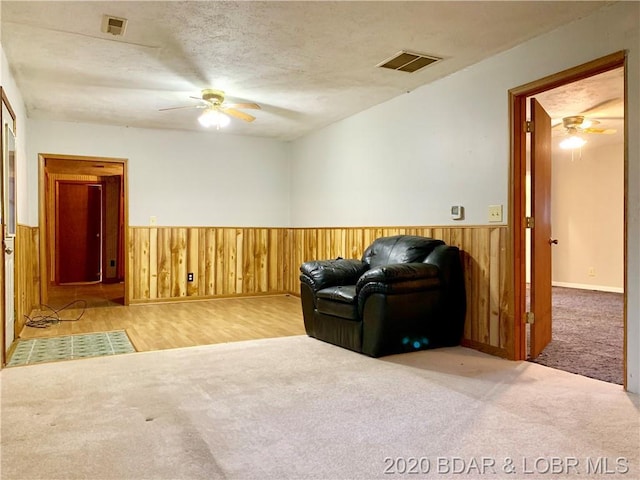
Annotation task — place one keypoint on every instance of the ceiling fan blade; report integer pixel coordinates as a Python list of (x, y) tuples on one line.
[(602, 131), (238, 114), (178, 108), (253, 106)]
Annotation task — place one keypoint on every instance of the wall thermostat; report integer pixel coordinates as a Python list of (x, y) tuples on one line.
[(457, 212)]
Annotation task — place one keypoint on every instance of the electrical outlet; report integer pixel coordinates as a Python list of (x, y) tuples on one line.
[(495, 213), (591, 272), (190, 277)]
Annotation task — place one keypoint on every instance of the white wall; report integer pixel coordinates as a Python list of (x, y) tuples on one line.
[(587, 216), (17, 104), (182, 178), (406, 161)]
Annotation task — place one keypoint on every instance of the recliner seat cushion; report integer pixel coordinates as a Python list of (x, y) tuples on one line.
[(339, 301)]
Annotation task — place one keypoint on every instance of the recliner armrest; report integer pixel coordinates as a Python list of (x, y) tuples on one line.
[(321, 274), (397, 279), (398, 273), (447, 259)]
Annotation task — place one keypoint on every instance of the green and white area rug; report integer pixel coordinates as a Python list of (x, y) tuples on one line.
[(70, 347)]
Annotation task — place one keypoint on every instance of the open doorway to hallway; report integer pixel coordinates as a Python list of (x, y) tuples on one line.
[(587, 217), (83, 220)]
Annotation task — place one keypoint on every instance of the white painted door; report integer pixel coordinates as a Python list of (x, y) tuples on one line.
[(10, 225), (9, 298)]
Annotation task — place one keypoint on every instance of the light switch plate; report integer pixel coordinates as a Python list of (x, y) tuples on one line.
[(153, 221), (495, 213)]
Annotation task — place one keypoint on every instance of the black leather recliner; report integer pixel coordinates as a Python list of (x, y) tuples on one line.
[(407, 293)]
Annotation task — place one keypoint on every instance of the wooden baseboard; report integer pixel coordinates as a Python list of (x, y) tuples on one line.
[(150, 301), (586, 286)]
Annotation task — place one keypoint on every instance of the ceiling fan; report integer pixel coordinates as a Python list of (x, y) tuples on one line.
[(577, 126), (216, 111)]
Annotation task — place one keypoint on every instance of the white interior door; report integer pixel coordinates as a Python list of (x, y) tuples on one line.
[(9, 298), (9, 220)]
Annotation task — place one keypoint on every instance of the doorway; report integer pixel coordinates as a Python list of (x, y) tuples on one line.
[(587, 219), (519, 218), (83, 217)]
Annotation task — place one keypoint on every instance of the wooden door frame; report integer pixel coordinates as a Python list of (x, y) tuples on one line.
[(87, 166), (517, 193)]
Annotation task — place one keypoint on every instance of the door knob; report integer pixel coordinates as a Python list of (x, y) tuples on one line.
[(553, 241), (8, 251)]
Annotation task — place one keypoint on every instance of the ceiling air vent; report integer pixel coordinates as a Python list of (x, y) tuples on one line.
[(408, 61), (113, 25)]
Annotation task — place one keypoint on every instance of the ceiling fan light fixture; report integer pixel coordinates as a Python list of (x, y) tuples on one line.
[(213, 118), (572, 142)]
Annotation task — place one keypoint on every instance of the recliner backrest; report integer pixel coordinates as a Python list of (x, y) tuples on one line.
[(399, 249)]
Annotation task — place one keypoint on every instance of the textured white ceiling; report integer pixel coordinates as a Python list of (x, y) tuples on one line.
[(308, 64)]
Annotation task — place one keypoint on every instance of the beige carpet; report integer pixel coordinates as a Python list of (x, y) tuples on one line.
[(296, 408)]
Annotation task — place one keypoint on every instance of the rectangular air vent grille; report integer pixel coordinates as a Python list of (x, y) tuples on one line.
[(113, 25), (408, 61)]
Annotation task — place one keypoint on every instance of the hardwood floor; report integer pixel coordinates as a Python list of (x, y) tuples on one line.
[(94, 294), (173, 325)]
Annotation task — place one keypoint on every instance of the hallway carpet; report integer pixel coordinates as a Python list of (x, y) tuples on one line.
[(588, 334)]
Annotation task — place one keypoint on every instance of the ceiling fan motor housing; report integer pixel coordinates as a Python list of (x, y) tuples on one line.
[(213, 96), (573, 122)]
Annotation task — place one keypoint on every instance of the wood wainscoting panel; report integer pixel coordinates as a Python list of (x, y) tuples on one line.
[(228, 261), (27, 273), (224, 261)]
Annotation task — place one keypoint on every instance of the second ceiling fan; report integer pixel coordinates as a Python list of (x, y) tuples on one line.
[(581, 124), (576, 127)]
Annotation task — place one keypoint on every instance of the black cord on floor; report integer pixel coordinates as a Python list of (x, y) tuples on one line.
[(46, 320)]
